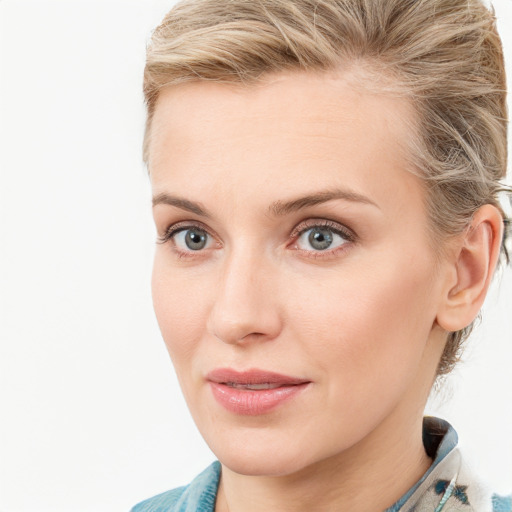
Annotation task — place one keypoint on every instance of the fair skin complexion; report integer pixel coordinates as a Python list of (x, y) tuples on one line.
[(294, 240)]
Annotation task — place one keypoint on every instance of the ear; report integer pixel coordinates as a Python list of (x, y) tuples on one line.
[(471, 270)]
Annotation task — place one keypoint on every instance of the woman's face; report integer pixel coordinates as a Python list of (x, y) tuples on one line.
[(294, 284)]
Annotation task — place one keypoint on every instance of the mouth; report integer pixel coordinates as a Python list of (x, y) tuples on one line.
[(253, 392), (252, 379), (251, 387)]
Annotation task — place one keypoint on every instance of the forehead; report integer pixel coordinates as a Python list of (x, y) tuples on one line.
[(318, 97), (290, 128)]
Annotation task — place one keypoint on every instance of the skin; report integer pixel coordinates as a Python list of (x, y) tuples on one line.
[(360, 321)]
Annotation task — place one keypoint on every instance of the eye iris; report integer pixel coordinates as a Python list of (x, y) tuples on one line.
[(195, 239), (320, 238)]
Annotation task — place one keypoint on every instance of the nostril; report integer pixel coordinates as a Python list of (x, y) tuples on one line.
[(237, 337)]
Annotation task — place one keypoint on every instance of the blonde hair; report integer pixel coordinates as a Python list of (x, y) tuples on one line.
[(445, 56)]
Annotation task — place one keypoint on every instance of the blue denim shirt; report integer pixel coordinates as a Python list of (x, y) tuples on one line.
[(447, 485)]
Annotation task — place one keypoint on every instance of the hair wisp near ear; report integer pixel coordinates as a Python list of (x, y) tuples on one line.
[(476, 257)]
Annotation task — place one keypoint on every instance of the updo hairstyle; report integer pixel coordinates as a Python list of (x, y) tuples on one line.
[(444, 56)]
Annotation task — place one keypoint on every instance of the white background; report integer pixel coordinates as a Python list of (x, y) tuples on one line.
[(91, 417)]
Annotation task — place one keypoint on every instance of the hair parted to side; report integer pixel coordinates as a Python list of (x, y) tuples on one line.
[(444, 56)]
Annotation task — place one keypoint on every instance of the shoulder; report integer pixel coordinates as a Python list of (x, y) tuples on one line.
[(161, 502), (501, 503), (200, 495)]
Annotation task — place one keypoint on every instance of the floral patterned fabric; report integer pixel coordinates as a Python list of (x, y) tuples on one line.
[(448, 486)]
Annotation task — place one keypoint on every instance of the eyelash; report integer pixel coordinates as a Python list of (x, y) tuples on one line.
[(173, 230), (343, 231)]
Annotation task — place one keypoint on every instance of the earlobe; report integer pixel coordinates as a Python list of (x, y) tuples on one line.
[(471, 272)]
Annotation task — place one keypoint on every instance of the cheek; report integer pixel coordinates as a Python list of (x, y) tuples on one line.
[(368, 321), (180, 303)]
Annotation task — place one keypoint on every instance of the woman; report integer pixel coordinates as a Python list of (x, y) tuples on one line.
[(326, 179)]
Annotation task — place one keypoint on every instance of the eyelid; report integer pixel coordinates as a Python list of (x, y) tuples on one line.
[(328, 254), (337, 227), (183, 225)]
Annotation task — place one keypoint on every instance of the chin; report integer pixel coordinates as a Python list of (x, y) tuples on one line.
[(263, 464), (256, 453)]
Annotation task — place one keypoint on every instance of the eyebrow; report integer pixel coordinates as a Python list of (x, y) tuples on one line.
[(277, 208), (179, 202)]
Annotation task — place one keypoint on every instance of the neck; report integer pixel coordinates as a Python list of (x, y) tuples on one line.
[(371, 475)]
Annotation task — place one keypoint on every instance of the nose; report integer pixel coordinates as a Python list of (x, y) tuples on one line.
[(245, 307)]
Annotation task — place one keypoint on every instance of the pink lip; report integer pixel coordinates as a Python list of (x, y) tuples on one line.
[(227, 387)]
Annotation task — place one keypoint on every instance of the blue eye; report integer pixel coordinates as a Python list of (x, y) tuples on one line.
[(320, 238), (191, 239)]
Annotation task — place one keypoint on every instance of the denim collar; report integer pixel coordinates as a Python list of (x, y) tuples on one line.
[(439, 439)]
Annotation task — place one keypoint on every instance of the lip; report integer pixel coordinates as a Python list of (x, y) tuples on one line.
[(253, 392)]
